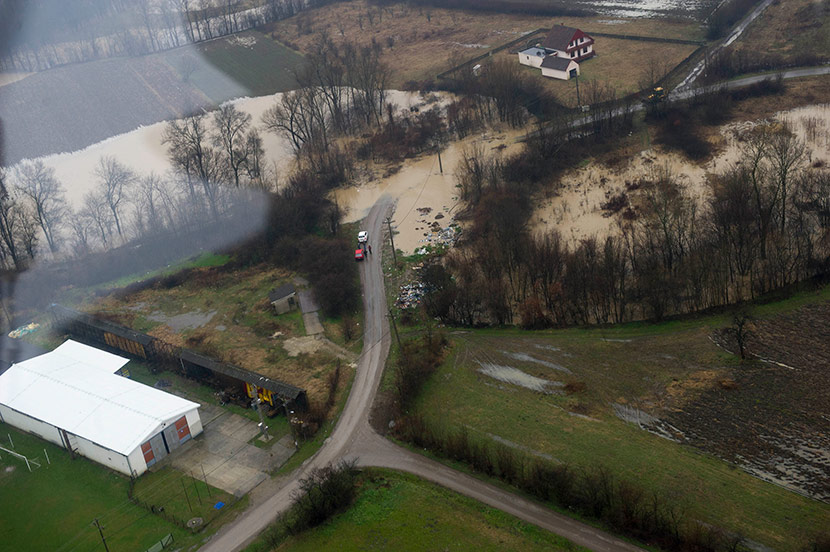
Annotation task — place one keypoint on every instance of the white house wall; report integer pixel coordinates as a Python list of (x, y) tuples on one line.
[(562, 75), (532, 61)]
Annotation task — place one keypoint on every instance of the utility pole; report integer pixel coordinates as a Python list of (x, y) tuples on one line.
[(101, 532), (392, 239), (578, 103), (395, 327), (440, 165)]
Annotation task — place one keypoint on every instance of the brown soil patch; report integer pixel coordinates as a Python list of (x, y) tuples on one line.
[(773, 420), (420, 43), (682, 392)]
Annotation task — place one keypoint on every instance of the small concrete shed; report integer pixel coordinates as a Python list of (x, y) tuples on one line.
[(73, 397), (283, 298)]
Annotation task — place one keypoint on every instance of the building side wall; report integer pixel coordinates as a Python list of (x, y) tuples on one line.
[(532, 61), (563, 75), (282, 305), (136, 461), (28, 424), (194, 422), (97, 453)]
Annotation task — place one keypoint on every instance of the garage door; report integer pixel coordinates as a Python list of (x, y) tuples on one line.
[(182, 429), (154, 450)]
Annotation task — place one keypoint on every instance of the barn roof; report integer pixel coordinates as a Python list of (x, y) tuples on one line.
[(74, 388), (281, 292), (560, 36), (557, 63)]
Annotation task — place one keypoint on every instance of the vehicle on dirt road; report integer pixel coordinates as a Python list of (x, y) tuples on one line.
[(362, 236), (358, 254)]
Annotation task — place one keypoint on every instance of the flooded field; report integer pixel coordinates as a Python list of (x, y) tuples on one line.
[(648, 8), (576, 210), (142, 150), (425, 197)]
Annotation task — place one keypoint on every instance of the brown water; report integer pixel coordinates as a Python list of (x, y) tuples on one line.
[(576, 210), (420, 190)]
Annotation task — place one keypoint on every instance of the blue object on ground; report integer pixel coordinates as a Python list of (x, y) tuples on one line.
[(219, 505)]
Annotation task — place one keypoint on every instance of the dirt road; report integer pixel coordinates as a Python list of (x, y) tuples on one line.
[(354, 438)]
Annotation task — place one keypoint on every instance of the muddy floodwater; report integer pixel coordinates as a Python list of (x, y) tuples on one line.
[(142, 150), (576, 209), (424, 196)]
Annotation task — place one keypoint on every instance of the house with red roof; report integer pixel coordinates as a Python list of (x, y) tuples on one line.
[(558, 56), (569, 43)]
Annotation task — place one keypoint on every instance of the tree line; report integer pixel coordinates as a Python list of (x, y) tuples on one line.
[(40, 34), (214, 157)]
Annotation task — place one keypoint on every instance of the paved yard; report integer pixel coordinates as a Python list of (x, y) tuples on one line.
[(224, 453)]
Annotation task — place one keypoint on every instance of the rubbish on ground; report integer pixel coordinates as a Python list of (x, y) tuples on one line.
[(23, 330)]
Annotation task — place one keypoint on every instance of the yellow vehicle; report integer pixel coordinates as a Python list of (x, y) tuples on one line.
[(657, 95)]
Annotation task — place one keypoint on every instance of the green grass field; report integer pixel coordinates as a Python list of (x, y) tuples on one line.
[(251, 60), (395, 511), (641, 365), (52, 508)]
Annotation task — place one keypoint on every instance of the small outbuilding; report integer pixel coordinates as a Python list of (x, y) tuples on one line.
[(283, 298), (559, 68), (73, 397), (532, 57)]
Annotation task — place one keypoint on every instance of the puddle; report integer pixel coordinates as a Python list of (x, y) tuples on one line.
[(514, 376), (647, 422), (547, 347), (185, 321), (524, 357)]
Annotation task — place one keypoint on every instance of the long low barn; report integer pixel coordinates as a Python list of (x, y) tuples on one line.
[(73, 397)]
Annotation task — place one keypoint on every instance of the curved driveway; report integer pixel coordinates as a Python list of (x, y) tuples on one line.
[(354, 439)]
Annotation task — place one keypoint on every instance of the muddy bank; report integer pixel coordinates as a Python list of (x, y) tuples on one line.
[(426, 199)]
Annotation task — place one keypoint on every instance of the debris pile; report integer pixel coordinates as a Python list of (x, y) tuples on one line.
[(410, 295)]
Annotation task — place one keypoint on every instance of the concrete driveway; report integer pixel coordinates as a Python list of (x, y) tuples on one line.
[(223, 451)]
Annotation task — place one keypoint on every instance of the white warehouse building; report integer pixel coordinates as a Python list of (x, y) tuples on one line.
[(74, 398)]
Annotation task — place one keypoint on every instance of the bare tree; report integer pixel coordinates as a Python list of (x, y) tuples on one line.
[(191, 154), (115, 180), (10, 222), (96, 212), (231, 125), (786, 153), (39, 184), (80, 226)]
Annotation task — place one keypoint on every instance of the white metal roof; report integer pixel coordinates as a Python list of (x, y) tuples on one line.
[(74, 388)]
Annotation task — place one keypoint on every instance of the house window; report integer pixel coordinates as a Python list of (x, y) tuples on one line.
[(572, 54)]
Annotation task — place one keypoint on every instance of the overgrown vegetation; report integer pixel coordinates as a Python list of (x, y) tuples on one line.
[(596, 493), (393, 511), (323, 493), (763, 229)]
